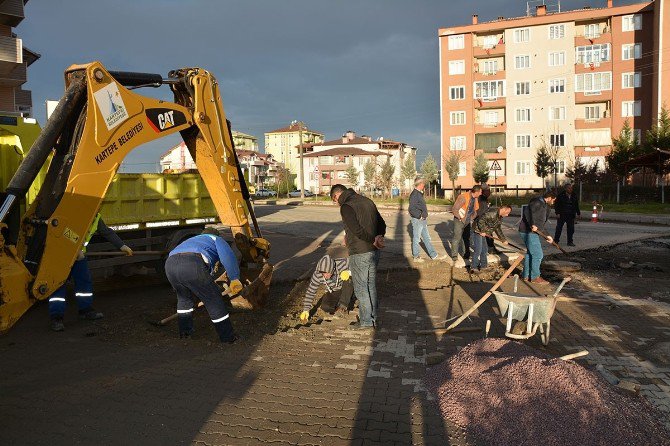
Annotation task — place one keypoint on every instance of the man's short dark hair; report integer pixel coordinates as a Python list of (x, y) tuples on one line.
[(211, 230), (550, 194), (337, 188), (506, 206), (476, 188)]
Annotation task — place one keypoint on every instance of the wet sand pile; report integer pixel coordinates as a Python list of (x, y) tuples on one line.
[(506, 393)]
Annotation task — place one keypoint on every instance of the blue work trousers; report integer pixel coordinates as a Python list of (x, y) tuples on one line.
[(420, 232), (479, 259), (83, 290), (533, 258), (364, 273)]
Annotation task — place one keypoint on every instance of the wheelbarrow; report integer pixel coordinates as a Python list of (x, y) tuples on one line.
[(536, 311)]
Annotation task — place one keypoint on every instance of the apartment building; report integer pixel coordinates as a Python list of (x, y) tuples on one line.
[(14, 61), (566, 81), (283, 144)]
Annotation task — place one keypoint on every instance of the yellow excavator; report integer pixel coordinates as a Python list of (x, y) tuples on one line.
[(97, 122)]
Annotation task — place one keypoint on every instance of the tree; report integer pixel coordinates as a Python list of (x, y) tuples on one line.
[(385, 176), (369, 174), (577, 172), (429, 170), (453, 166), (659, 135), (352, 175), (408, 169), (284, 181), (480, 170), (544, 165), (624, 148)]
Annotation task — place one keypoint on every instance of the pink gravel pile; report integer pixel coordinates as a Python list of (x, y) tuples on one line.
[(506, 393)]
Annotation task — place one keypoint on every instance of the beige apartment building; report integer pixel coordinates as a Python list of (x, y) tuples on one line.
[(565, 80), (14, 61), (283, 144)]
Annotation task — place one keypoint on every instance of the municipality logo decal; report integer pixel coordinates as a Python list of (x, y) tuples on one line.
[(111, 105)]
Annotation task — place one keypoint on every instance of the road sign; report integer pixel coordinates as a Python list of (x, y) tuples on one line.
[(316, 169), (495, 165)]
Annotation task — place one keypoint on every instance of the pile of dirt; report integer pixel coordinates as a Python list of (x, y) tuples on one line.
[(506, 393)]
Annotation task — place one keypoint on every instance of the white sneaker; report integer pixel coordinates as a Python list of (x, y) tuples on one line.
[(418, 260), (442, 257)]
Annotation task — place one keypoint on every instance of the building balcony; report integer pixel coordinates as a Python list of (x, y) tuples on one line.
[(489, 75), (11, 12), (492, 154), (591, 68), (480, 104), (15, 78), (23, 97), (599, 96), (490, 127), (11, 54), (583, 151), (597, 123), (489, 51), (584, 40)]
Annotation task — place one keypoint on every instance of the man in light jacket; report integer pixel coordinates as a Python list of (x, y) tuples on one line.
[(464, 210), (418, 212)]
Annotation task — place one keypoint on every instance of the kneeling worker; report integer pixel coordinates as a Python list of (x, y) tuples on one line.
[(189, 269), (335, 275)]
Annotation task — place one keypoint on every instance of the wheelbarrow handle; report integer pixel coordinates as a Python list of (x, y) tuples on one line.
[(560, 287)]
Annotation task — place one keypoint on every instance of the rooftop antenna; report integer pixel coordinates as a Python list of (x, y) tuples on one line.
[(553, 6)]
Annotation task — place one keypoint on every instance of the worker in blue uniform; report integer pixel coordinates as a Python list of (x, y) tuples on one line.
[(189, 269), (81, 276)]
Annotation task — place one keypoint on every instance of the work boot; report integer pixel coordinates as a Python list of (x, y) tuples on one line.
[(90, 314), (539, 280), (57, 324), (185, 324), (570, 244), (341, 312), (225, 331), (358, 326)]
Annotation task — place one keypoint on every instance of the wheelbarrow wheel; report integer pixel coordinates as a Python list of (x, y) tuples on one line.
[(544, 333)]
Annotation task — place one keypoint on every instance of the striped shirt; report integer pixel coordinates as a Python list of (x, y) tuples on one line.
[(332, 284)]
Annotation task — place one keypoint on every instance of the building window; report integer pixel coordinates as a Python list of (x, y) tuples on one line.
[(490, 66), (593, 83), (557, 59), (491, 118), (631, 80), (457, 143), (341, 175), (592, 31), (457, 118), (592, 54), (522, 35), (489, 90), (523, 141), (631, 108), (523, 115), (522, 88), (491, 41), (523, 168), (556, 113), (456, 93), (326, 160), (556, 31), (462, 169), (556, 85), (560, 166), (456, 42), (521, 62), (456, 67), (557, 140), (592, 112), (631, 22), (631, 51), (341, 159)]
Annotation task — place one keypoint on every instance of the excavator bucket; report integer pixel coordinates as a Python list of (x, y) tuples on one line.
[(255, 293), (14, 279)]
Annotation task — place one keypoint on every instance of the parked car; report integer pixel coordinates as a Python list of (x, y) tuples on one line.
[(296, 193), (265, 193)]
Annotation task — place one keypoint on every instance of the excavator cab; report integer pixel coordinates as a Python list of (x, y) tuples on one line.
[(97, 122)]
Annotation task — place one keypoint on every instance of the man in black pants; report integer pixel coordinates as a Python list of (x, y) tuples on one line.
[(189, 269), (567, 208)]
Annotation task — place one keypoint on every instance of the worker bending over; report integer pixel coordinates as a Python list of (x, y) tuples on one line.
[(81, 276), (334, 274), (484, 227), (189, 269)]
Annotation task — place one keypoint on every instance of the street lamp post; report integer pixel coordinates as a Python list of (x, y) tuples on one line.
[(300, 151)]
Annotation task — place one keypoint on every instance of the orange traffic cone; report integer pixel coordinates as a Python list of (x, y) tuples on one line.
[(594, 214)]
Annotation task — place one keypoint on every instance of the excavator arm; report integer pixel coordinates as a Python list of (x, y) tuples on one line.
[(99, 120)]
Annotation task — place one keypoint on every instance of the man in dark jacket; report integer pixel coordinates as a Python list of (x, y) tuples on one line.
[(81, 276), (484, 206), (364, 236), (418, 212), (567, 209), (484, 227), (533, 218)]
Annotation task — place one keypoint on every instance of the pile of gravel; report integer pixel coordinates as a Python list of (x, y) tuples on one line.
[(506, 393)]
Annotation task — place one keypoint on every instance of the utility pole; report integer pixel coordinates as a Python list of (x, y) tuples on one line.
[(300, 150)]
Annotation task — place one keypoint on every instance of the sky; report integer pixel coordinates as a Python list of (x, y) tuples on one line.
[(370, 66)]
